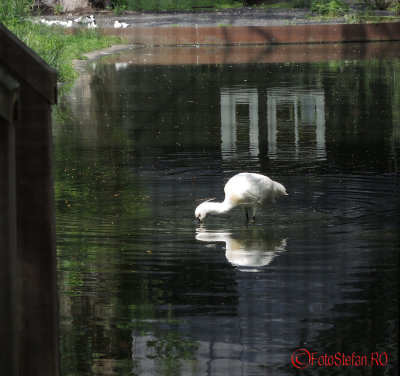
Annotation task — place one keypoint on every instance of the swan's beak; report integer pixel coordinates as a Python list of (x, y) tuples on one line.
[(198, 220)]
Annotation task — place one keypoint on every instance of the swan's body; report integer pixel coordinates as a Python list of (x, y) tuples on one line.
[(92, 25), (247, 190), (119, 25), (88, 19), (66, 23)]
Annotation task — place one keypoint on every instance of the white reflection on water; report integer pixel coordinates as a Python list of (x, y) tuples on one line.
[(249, 251), (297, 112), (308, 108), (230, 124)]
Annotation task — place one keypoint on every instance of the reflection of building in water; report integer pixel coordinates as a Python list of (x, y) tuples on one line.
[(239, 117), (307, 110), (295, 122)]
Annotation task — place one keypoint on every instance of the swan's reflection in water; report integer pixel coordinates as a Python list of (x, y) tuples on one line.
[(249, 249)]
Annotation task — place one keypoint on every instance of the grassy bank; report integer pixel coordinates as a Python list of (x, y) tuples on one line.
[(57, 48), (51, 43), (320, 8)]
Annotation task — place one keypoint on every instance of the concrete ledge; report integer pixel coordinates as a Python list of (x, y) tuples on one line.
[(242, 35)]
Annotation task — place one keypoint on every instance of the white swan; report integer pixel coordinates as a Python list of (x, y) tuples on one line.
[(119, 25), (247, 190), (66, 23), (89, 19), (92, 25)]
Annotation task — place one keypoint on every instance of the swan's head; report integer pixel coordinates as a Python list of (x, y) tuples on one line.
[(202, 210)]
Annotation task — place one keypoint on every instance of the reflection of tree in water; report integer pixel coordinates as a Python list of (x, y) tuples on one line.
[(165, 350)]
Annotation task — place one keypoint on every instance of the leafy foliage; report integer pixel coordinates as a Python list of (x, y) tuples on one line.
[(379, 4), (331, 8)]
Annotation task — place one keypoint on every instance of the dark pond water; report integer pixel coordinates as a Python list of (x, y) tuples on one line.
[(144, 290)]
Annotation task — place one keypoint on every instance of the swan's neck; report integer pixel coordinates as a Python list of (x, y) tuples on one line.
[(219, 207)]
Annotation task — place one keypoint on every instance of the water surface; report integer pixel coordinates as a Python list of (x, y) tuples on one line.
[(144, 290)]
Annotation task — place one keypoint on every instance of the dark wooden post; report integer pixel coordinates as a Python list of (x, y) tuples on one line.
[(9, 102), (37, 351)]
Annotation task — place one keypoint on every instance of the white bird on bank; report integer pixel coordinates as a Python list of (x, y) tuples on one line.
[(92, 25), (85, 20), (88, 19), (56, 23), (119, 25), (53, 23), (66, 23), (247, 190)]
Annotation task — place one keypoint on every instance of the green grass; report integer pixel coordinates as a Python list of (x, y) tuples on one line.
[(148, 5), (290, 4), (329, 8), (57, 48), (52, 44), (11, 9)]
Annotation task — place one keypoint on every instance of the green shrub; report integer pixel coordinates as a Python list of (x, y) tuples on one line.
[(379, 4), (10, 9), (330, 8), (396, 7), (301, 3)]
